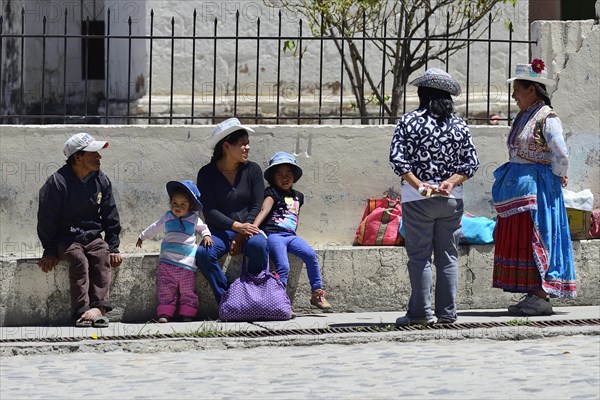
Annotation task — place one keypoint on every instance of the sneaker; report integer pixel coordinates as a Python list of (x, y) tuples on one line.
[(317, 299), (445, 321), (537, 306), (516, 308), (163, 319), (405, 321)]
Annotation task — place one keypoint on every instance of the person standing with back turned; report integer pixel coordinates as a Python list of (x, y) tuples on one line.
[(432, 150)]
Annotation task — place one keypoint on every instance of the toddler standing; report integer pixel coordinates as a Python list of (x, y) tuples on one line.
[(279, 219), (176, 269)]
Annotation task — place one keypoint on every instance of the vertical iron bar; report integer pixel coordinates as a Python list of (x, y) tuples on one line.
[(406, 47), (299, 68), (235, 80), (1, 92), (193, 66), (364, 44), (150, 69), (172, 69), (489, 64), (107, 82), (22, 90), (65, 69), (129, 71), (43, 70), (427, 43), (214, 100), (278, 84), (510, 31), (342, 72), (382, 104), (447, 40), (468, 68), (321, 68), (257, 70), (86, 66)]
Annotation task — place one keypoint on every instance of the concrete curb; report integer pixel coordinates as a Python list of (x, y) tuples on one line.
[(201, 344)]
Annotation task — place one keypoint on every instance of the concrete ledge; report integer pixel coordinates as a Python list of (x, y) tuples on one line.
[(356, 278)]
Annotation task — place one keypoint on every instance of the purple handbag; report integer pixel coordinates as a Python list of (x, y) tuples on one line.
[(259, 297)]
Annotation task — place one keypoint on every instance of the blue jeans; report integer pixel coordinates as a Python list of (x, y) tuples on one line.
[(207, 260), (280, 244), (432, 225)]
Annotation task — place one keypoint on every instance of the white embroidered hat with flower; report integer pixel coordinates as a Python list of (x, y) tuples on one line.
[(534, 72)]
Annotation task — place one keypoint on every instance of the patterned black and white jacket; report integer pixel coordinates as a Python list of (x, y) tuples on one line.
[(433, 152)]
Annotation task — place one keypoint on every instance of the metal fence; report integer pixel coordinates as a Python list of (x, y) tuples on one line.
[(18, 107)]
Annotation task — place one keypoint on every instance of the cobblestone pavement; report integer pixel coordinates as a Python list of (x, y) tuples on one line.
[(561, 367)]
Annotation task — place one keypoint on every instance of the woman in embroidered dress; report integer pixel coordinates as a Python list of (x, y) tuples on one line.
[(432, 150), (533, 253)]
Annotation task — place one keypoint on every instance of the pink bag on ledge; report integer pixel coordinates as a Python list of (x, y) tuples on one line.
[(380, 223)]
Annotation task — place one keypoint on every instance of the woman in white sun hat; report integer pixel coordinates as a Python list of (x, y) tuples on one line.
[(533, 252), (232, 190)]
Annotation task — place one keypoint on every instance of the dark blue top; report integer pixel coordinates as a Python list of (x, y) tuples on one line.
[(74, 210), (223, 203)]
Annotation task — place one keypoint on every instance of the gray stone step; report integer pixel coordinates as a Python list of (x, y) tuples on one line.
[(357, 279)]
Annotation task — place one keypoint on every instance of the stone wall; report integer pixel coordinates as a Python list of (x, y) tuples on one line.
[(357, 279)]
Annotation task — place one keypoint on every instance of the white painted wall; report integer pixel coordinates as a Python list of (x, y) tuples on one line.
[(250, 11), (54, 11), (181, 12), (343, 166)]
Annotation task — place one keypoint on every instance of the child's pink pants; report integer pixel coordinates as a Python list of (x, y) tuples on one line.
[(172, 279)]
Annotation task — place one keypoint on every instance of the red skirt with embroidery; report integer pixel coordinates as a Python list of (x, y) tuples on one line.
[(515, 269)]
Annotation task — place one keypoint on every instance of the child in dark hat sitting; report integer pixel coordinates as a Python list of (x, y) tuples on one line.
[(176, 269), (279, 219)]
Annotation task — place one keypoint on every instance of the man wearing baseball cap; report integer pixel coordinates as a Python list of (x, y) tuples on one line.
[(76, 206)]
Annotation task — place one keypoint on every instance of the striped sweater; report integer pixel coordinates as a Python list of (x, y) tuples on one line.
[(179, 246)]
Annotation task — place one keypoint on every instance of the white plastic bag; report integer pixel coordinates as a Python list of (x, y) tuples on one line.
[(583, 200)]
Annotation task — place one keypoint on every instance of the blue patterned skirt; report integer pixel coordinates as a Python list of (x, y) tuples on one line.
[(532, 189)]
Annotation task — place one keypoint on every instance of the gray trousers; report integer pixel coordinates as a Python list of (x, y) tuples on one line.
[(432, 226)]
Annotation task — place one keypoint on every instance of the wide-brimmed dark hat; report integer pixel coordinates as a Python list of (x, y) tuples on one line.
[(438, 79), (190, 188), (281, 157)]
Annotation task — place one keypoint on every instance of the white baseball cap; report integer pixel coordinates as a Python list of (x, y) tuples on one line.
[(83, 141)]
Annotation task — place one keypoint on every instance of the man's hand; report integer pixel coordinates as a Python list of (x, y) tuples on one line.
[(47, 263), (115, 259)]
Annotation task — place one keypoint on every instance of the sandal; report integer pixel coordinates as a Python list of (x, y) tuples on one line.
[(83, 323), (101, 322)]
